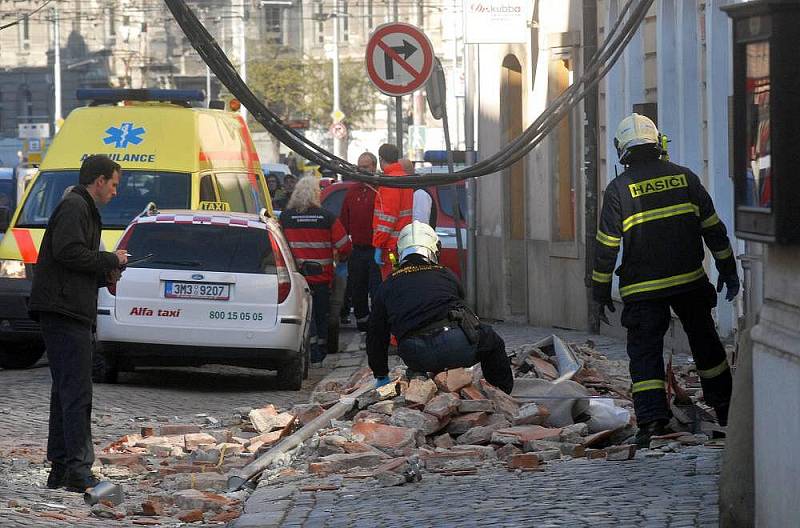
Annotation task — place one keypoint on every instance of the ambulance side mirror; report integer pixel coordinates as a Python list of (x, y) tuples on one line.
[(310, 269)]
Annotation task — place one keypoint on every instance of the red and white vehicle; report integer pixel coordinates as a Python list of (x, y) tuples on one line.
[(214, 288), (444, 199)]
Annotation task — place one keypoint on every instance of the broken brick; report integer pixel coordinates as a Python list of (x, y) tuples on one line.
[(440, 380), (191, 516), (152, 508), (225, 517), (504, 403), (177, 429), (369, 416), (442, 405), (620, 453), (196, 440), (544, 368), (507, 451), (388, 436), (524, 461), (458, 379), (593, 454), (192, 499), (444, 441), (472, 392), (268, 419), (306, 412), (343, 462), (266, 439), (465, 422), (121, 459), (147, 431), (526, 433), (420, 391)]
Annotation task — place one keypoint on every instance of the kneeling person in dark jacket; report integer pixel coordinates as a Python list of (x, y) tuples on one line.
[(422, 303)]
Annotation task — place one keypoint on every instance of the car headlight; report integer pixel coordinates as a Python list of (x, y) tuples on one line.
[(12, 269)]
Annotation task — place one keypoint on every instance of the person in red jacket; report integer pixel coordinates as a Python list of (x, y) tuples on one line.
[(393, 209), (363, 275), (315, 235)]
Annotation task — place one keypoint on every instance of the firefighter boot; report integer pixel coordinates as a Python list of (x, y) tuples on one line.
[(649, 430)]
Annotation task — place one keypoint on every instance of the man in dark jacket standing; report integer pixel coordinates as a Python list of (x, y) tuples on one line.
[(661, 214), (63, 299), (363, 275)]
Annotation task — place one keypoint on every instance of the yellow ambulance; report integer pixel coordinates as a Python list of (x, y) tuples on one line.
[(172, 154)]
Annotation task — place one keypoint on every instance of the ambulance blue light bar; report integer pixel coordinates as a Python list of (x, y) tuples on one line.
[(108, 95), (439, 157)]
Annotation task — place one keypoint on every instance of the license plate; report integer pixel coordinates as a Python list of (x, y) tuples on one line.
[(197, 290)]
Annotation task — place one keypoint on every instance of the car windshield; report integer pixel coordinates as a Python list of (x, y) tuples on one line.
[(168, 190), (447, 195), (202, 247)]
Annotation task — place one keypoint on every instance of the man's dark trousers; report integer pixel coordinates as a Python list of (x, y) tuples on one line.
[(320, 308), (69, 346), (449, 348), (363, 276), (647, 321)]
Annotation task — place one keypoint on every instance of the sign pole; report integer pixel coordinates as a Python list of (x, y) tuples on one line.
[(398, 122)]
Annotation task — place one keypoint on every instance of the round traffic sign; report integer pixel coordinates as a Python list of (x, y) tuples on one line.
[(338, 130), (399, 58)]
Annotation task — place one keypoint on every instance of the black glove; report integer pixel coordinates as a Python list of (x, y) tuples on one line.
[(731, 282), (602, 305)]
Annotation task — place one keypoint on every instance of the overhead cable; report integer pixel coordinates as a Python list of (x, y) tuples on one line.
[(606, 56)]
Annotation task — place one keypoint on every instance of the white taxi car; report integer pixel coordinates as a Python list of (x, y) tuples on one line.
[(215, 287)]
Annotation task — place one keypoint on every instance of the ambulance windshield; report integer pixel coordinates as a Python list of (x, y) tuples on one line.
[(168, 190)]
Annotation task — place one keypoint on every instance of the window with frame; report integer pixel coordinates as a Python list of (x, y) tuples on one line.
[(273, 23)]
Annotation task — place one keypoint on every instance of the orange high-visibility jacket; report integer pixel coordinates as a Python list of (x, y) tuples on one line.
[(393, 209)]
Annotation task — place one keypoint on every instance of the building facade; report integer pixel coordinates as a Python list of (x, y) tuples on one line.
[(531, 223)]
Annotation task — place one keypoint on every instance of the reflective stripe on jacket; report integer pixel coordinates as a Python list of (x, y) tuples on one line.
[(393, 209), (660, 214), (313, 235)]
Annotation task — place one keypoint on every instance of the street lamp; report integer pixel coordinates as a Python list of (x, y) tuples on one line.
[(339, 149)]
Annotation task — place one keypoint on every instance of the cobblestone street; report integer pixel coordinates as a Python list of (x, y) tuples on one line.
[(677, 490)]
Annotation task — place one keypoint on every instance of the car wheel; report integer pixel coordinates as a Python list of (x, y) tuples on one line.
[(104, 369), (290, 375), (21, 357)]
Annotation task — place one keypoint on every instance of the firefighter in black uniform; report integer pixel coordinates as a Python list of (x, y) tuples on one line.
[(422, 303), (662, 214)]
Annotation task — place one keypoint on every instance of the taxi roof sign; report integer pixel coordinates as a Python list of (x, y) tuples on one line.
[(215, 206)]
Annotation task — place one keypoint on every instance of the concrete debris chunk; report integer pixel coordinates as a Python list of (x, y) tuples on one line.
[(481, 435), (413, 419), (531, 414), (343, 462), (470, 406)]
